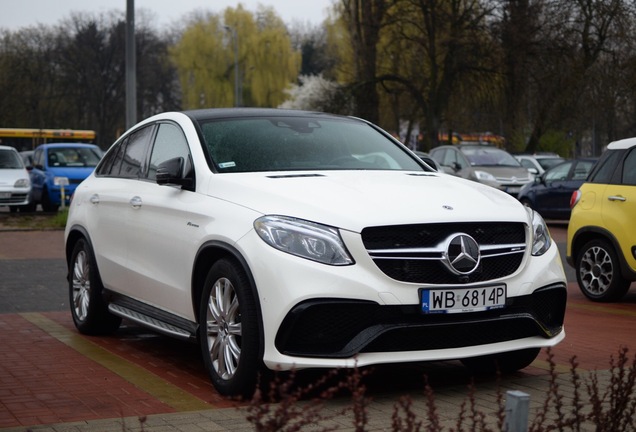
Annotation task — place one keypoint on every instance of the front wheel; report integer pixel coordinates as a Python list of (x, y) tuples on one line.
[(89, 310), (598, 272), (47, 205), (229, 330), (505, 362)]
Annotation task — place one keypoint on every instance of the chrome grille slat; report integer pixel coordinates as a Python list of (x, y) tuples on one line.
[(417, 253)]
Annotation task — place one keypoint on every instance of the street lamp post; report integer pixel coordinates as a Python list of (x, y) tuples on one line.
[(237, 99)]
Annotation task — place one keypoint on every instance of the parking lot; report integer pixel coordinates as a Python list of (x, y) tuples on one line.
[(53, 378)]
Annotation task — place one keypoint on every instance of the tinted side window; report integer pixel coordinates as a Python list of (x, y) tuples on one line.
[(559, 173), (129, 161), (169, 144), (629, 169), (106, 165), (606, 167), (38, 158)]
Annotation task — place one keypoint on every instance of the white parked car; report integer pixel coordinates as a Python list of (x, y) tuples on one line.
[(15, 185), (537, 164), (288, 239)]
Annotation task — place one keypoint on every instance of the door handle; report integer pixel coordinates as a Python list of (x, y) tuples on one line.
[(616, 198), (94, 199), (135, 202)]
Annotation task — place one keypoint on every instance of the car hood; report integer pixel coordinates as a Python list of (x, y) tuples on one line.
[(8, 176), (355, 199), (505, 172), (77, 173)]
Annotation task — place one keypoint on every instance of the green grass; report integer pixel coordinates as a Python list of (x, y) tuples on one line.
[(35, 221)]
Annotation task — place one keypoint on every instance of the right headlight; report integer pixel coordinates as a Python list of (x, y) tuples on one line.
[(541, 239), (305, 239)]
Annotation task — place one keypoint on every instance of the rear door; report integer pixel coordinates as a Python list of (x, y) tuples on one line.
[(619, 208), (114, 184)]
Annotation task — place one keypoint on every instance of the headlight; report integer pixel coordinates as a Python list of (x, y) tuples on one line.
[(541, 239), (61, 181), (485, 176), (305, 239), (21, 183)]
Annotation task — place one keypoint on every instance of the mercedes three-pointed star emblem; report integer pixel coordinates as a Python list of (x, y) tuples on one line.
[(462, 254)]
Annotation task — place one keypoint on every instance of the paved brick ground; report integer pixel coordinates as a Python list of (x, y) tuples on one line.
[(53, 379)]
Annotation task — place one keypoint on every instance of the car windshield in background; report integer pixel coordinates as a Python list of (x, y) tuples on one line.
[(489, 156), (299, 143), (547, 163), (73, 157), (10, 159)]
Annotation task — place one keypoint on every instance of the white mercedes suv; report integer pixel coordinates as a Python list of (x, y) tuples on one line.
[(287, 239)]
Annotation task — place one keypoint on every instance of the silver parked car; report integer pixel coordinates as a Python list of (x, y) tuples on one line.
[(485, 164)]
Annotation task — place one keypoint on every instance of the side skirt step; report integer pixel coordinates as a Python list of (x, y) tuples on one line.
[(150, 322)]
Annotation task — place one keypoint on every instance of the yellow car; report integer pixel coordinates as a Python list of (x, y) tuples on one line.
[(602, 229)]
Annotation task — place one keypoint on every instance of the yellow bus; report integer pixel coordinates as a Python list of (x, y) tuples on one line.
[(28, 139)]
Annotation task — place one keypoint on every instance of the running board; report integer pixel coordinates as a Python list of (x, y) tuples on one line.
[(148, 321)]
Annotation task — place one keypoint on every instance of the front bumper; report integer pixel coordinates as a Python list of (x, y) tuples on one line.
[(341, 328), (315, 315)]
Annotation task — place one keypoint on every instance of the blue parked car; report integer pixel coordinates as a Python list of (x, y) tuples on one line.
[(550, 193), (57, 170)]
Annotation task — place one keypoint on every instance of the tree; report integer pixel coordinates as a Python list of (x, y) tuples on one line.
[(28, 78), (363, 20), (204, 58)]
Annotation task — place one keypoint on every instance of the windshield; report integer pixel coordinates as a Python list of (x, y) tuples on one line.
[(10, 159), (489, 156), (301, 143), (73, 157), (548, 163)]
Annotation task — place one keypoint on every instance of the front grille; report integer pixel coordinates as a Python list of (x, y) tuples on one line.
[(336, 328), (14, 199), (415, 253)]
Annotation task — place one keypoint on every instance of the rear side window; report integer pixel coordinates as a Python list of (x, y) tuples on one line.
[(606, 167), (127, 159), (629, 169)]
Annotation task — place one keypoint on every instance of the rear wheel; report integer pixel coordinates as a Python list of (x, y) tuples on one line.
[(229, 330), (505, 362), (89, 310), (598, 272)]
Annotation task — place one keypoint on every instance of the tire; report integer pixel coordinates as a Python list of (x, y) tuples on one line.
[(29, 208), (47, 205), (598, 272), (228, 332), (506, 362), (88, 308)]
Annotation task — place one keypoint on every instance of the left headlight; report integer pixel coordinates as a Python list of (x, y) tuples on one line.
[(305, 239), (541, 239), (22, 183), (484, 176)]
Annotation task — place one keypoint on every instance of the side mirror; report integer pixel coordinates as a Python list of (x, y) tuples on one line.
[(170, 173)]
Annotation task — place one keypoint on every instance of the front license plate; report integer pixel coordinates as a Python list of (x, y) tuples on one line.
[(513, 189), (5, 194), (461, 300)]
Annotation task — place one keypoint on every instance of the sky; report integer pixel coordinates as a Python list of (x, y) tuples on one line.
[(16, 14)]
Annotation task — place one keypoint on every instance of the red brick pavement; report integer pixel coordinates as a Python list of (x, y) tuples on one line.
[(44, 380)]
